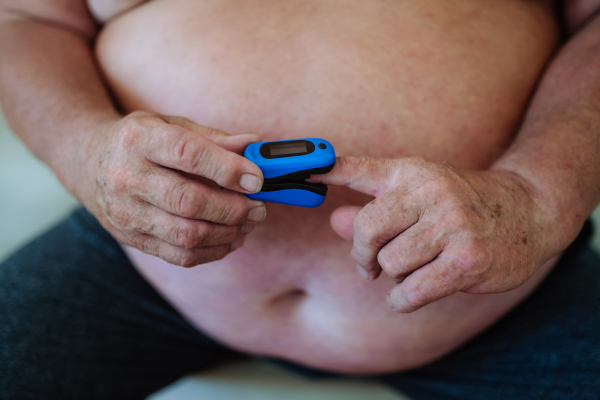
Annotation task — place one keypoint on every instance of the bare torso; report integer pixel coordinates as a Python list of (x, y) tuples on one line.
[(447, 80)]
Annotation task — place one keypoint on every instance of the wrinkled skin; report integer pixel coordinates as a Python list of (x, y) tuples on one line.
[(482, 87), (154, 188), (437, 230)]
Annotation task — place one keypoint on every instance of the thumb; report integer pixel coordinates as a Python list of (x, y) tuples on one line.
[(368, 175), (342, 221)]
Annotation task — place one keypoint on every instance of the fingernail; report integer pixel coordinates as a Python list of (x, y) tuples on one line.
[(365, 275), (250, 183), (257, 214), (247, 227), (236, 244)]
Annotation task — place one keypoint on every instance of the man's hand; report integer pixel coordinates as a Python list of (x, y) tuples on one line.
[(437, 230), (154, 185)]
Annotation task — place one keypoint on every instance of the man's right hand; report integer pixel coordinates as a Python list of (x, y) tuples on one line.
[(154, 185)]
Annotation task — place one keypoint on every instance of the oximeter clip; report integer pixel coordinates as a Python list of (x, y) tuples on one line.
[(286, 164)]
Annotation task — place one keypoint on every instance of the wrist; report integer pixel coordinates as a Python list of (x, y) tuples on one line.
[(552, 226), (75, 159)]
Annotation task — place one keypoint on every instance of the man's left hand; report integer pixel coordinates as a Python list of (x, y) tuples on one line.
[(437, 230)]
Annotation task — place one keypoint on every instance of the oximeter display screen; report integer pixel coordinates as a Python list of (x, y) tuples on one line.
[(288, 149)]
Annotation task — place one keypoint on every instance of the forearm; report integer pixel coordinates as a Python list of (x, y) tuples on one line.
[(557, 150), (51, 93)]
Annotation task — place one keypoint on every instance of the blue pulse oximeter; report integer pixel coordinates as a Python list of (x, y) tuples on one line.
[(286, 164)]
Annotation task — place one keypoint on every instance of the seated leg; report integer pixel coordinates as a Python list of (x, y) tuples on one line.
[(78, 321), (546, 348)]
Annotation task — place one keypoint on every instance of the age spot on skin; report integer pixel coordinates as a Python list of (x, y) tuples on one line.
[(497, 211), (524, 240)]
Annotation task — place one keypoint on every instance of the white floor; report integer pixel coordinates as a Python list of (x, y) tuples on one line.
[(31, 200)]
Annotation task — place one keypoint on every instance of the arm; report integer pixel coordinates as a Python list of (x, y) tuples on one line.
[(437, 230), (130, 172), (49, 85), (557, 151)]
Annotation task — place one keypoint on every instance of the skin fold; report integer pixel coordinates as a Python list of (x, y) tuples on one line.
[(468, 137)]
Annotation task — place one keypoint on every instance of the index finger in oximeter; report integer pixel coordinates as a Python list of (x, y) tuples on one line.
[(286, 164)]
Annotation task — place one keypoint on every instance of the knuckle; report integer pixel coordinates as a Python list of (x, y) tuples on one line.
[(414, 166), (365, 228), (143, 223), (146, 244), (188, 258), (234, 214), (184, 201), (460, 220), (116, 180), (227, 176), (187, 154), (226, 215), (364, 260), (228, 212), (443, 185), (127, 238), (472, 263), (133, 240), (372, 164), (129, 131), (120, 215), (186, 235), (204, 234), (355, 162)]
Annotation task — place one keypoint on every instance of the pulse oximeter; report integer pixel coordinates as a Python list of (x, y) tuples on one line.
[(286, 164)]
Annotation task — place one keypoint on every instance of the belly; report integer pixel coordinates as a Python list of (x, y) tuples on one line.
[(447, 80)]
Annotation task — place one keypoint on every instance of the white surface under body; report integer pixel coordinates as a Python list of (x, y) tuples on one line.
[(32, 200), (254, 380)]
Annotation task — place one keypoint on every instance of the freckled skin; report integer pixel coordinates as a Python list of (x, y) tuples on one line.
[(435, 248), (440, 88), (373, 103)]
